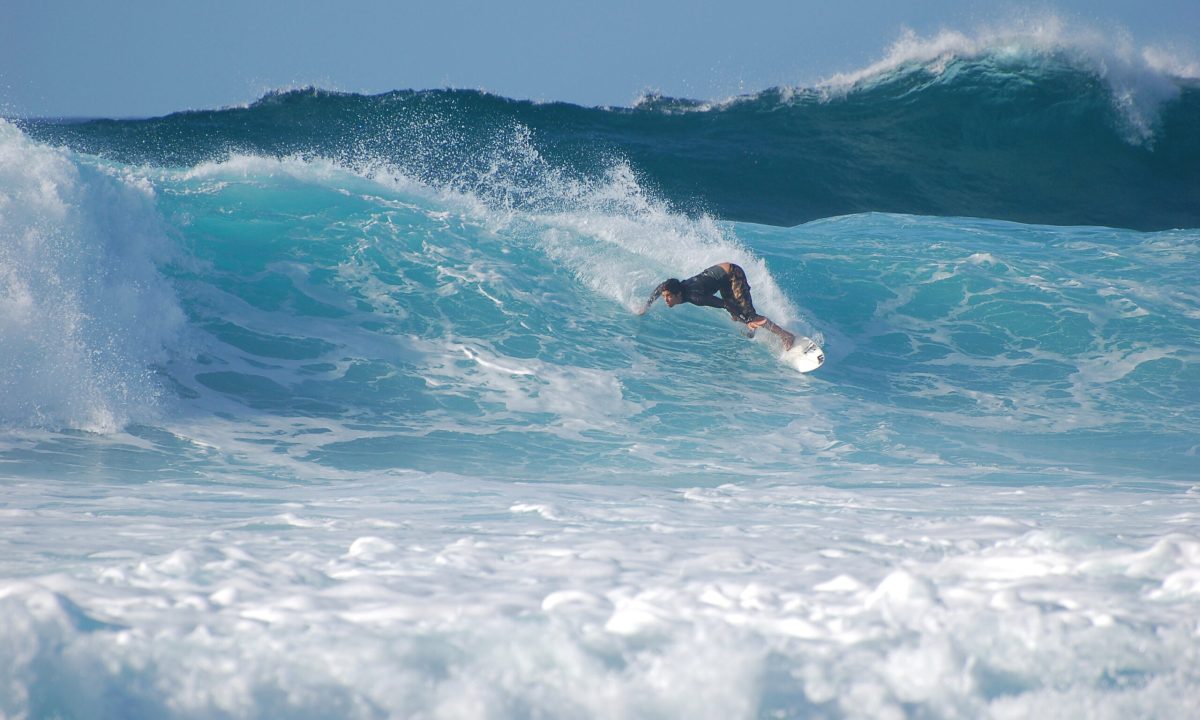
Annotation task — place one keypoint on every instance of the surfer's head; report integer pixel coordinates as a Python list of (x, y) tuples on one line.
[(672, 292)]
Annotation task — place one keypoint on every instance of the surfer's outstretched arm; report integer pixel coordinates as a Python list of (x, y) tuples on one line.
[(653, 296)]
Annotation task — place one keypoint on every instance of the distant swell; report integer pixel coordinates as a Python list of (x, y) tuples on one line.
[(1042, 135)]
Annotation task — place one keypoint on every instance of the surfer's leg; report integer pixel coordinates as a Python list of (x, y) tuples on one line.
[(787, 337), (736, 294)]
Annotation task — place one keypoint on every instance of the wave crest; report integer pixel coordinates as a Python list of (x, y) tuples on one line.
[(1140, 78), (1033, 122)]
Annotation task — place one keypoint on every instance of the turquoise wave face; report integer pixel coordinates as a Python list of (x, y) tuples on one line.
[(348, 324), (1043, 137), (308, 314)]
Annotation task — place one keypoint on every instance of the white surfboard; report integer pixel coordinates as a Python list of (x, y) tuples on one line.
[(805, 355)]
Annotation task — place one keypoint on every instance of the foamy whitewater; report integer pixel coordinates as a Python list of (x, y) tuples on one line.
[(337, 406)]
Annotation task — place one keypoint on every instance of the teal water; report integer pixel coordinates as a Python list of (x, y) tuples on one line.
[(1050, 136)]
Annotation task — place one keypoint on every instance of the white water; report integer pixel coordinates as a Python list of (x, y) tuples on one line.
[(83, 308), (440, 596)]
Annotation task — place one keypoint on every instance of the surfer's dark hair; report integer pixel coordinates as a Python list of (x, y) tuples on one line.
[(673, 286)]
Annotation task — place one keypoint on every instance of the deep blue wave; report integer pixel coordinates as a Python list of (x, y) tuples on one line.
[(1039, 141)]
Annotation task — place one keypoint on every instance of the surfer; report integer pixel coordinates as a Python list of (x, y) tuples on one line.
[(730, 281)]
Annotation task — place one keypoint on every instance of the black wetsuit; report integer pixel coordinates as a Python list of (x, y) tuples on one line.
[(735, 298)]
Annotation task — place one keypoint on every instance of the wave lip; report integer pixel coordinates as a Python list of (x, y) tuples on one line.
[(84, 312), (1140, 80)]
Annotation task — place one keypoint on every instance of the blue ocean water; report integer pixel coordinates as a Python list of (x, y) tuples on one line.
[(339, 406)]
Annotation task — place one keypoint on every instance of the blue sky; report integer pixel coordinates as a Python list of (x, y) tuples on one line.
[(151, 57)]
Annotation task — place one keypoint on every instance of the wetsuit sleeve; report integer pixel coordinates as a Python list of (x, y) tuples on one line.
[(728, 306), (709, 301), (738, 313)]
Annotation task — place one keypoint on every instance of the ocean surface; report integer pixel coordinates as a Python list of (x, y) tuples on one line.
[(338, 406)]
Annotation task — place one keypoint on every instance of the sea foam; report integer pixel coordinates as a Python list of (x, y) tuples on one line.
[(84, 310)]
